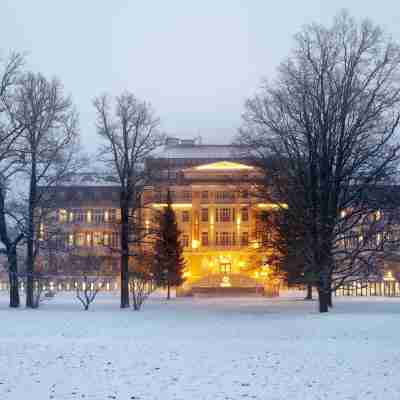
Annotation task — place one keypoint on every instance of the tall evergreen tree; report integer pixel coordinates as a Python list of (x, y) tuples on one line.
[(168, 262)]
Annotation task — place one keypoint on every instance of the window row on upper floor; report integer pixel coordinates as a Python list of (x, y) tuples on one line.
[(89, 216), (222, 214), (204, 195), (86, 239)]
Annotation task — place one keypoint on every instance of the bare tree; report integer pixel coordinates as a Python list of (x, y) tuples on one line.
[(329, 123), (10, 131), (86, 292), (49, 147), (130, 136), (141, 279)]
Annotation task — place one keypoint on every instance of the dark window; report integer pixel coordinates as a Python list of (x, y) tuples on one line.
[(245, 238), (185, 216), (245, 214), (204, 238), (185, 240)]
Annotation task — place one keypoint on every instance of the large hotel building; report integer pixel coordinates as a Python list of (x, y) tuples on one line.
[(222, 221)]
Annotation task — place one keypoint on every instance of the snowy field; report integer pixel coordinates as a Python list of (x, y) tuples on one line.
[(201, 349)]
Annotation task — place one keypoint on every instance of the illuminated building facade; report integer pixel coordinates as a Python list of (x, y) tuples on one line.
[(220, 218), (221, 221)]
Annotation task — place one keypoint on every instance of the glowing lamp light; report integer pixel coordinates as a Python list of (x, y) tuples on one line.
[(195, 244), (272, 206), (223, 165), (389, 276), (226, 282), (174, 205)]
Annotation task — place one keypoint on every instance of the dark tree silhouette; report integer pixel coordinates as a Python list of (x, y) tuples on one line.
[(330, 123), (130, 136), (168, 261)]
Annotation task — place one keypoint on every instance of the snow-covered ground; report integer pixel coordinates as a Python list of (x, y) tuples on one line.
[(253, 348)]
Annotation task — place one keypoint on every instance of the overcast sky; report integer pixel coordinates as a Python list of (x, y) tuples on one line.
[(196, 61)]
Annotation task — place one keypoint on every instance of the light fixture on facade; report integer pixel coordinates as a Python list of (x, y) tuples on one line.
[(272, 206)]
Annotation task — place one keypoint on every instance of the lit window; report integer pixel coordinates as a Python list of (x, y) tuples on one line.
[(185, 240), (223, 215), (187, 195), (245, 214), (245, 238), (224, 238), (97, 239), (204, 215), (98, 216), (204, 195), (62, 215), (89, 216), (115, 239), (80, 239)]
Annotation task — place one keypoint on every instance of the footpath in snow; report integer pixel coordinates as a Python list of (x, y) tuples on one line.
[(214, 349)]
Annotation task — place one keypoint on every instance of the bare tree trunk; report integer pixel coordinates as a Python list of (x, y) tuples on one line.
[(323, 298), (124, 256), (330, 305), (13, 278), (309, 292), (30, 244), (324, 292)]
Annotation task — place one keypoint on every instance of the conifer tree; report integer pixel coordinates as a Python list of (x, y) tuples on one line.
[(168, 262)]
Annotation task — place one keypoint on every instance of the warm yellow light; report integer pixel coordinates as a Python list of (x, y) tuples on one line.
[(223, 165), (41, 231), (106, 216), (241, 264), (89, 216), (272, 206), (62, 215), (389, 276), (195, 244), (187, 274), (256, 245), (226, 282), (238, 221), (180, 205)]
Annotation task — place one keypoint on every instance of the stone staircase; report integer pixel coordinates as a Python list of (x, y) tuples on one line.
[(227, 285)]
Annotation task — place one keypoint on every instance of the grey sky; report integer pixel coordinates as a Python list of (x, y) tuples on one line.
[(195, 61)]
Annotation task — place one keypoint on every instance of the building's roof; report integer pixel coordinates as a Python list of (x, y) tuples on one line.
[(89, 178), (197, 151)]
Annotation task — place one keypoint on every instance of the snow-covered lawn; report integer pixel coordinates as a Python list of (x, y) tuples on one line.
[(201, 349)]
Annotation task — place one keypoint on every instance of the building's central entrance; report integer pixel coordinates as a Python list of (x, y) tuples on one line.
[(225, 268)]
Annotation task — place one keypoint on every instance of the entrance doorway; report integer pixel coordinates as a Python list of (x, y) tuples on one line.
[(225, 268)]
